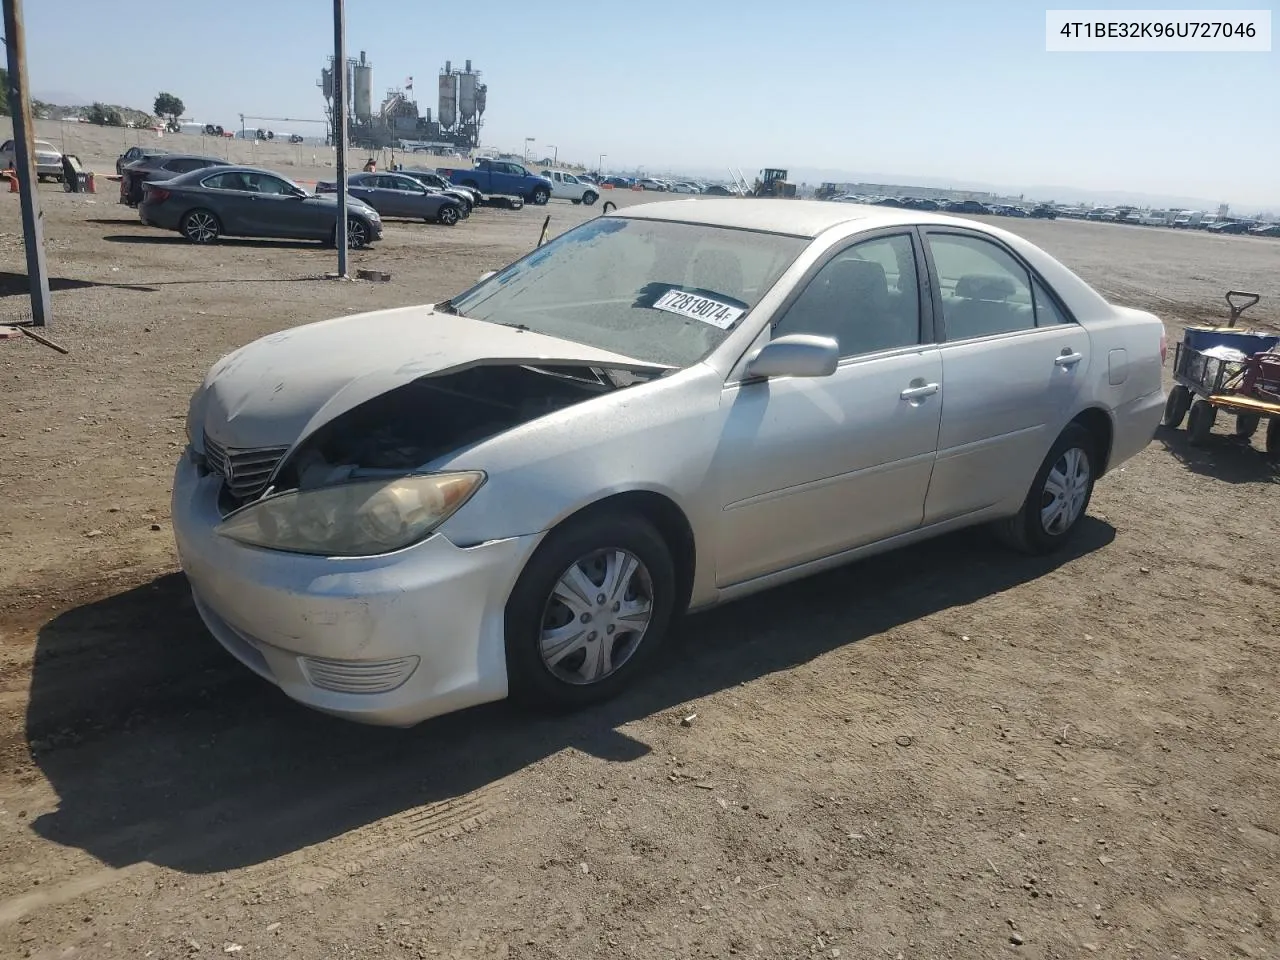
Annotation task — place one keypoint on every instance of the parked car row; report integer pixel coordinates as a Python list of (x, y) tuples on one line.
[(222, 200), (967, 207), (1176, 219)]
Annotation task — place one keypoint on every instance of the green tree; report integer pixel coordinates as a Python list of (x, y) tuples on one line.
[(4, 93), (167, 105), (104, 116)]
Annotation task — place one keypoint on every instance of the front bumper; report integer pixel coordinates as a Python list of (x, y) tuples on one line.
[(340, 635)]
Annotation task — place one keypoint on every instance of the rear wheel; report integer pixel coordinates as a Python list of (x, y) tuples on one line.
[(591, 608), (1200, 422), (1273, 438), (200, 226), (1176, 406), (1059, 495), (1247, 425)]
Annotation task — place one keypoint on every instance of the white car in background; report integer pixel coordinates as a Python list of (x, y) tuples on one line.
[(565, 186), (48, 158), (683, 187)]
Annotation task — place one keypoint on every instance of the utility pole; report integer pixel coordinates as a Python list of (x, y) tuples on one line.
[(340, 128), (24, 162)]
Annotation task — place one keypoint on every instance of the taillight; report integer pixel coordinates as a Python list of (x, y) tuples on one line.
[(157, 195)]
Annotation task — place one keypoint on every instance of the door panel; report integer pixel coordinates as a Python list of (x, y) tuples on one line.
[(1013, 371), (810, 467)]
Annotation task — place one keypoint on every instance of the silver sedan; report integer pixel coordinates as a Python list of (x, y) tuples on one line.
[(407, 512)]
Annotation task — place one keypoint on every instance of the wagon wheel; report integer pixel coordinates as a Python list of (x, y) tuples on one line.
[(1175, 408), (1200, 422), (1247, 425)]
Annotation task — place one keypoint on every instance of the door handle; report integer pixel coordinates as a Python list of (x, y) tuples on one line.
[(1068, 359), (917, 393)]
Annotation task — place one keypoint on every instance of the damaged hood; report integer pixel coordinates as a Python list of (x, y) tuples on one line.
[(278, 389)]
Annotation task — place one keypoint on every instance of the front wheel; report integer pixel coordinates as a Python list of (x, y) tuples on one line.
[(1176, 406), (200, 226), (448, 216), (357, 234), (591, 608), (590, 198), (540, 197), (1059, 495)]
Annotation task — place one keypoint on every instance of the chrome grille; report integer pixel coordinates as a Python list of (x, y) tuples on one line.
[(245, 472)]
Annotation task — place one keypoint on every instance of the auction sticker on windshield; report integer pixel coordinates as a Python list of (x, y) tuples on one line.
[(697, 307)]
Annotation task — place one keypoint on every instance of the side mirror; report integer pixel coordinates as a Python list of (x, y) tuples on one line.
[(795, 355)]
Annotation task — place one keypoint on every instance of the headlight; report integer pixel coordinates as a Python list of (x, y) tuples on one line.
[(358, 519)]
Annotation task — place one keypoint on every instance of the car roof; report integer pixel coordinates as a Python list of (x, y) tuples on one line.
[(799, 218)]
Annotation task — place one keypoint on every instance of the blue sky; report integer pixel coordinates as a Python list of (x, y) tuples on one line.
[(959, 91)]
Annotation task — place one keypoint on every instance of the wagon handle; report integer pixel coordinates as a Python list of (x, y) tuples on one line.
[(1237, 309)]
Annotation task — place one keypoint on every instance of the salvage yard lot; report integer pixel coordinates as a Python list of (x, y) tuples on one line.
[(946, 752)]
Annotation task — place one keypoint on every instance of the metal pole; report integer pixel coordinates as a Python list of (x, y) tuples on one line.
[(340, 128), (24, 162)]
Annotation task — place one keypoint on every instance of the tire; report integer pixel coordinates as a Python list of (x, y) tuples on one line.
[(1176, 406), (200, 226), (540, 197), (1247, 425), (589, 198), (448, 216), (534, 611), (1200, 422), (357, 234), (1273, 438), (1072, 462)]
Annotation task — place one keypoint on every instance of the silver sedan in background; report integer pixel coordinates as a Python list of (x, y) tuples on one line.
[(406, 512)]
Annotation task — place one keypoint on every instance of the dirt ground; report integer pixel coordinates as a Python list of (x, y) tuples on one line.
[(945, 752)]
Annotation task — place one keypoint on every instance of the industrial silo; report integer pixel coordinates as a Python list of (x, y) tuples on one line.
[(362, 75), (448, 98), (467, 104)]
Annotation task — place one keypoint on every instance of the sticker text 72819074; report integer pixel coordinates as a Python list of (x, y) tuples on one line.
[(697, 307)]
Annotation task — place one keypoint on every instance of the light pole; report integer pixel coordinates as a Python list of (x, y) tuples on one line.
[(340, 130), (555, 157), (527, 141)]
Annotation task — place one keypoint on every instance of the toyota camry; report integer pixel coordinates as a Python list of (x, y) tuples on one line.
[(516, 491)]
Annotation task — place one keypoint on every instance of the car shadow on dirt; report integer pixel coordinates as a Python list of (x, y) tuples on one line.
[(175, 239), (164, 750), (1224, 457)]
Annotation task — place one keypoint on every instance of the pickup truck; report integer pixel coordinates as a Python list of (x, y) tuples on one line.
[(501, 177), (565, 186)]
